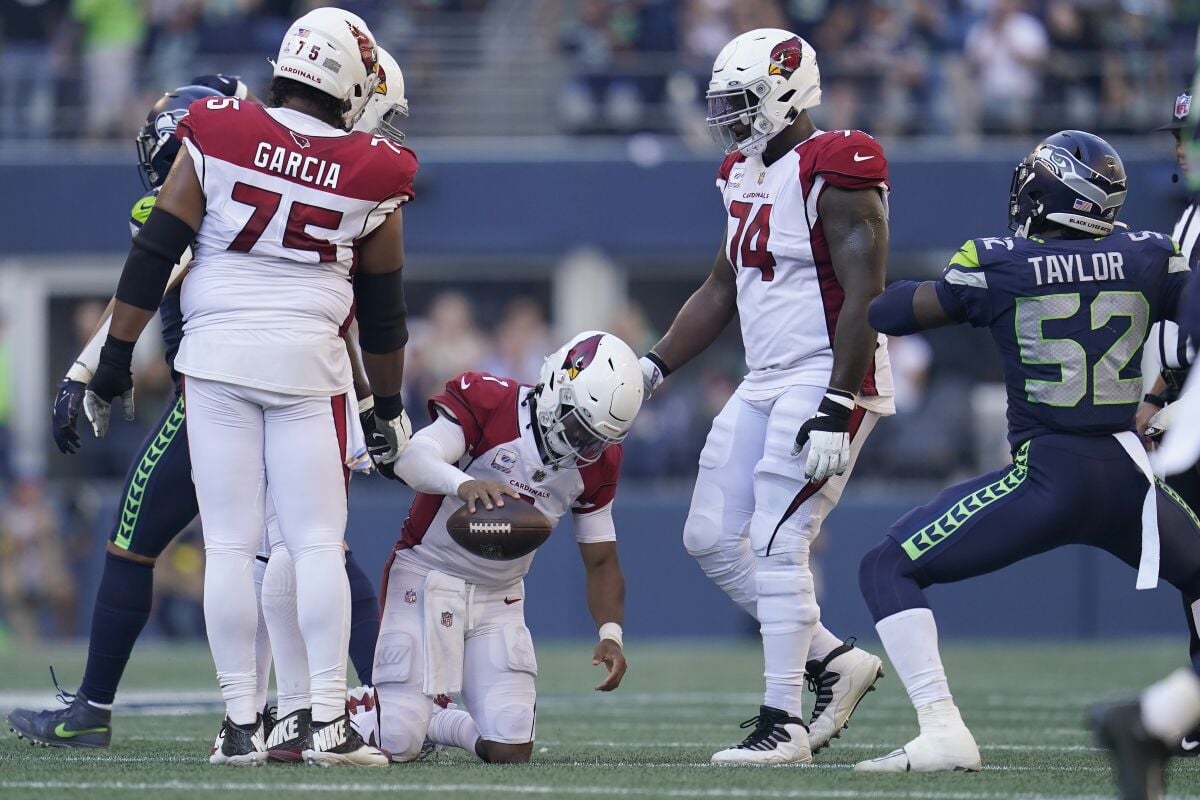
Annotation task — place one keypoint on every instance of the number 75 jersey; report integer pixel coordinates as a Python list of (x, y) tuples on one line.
[(789, 299), (287, 200), (1069, 317)]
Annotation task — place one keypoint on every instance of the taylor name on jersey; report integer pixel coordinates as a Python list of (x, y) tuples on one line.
[(789, 298), (495, 415)]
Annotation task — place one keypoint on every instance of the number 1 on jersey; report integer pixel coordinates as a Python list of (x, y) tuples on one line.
[(748, 246)]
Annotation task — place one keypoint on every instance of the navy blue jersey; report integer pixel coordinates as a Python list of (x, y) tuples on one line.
[(1069, 317), (169, 310)]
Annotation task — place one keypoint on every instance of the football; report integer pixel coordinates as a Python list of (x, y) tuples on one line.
[(500, 534)]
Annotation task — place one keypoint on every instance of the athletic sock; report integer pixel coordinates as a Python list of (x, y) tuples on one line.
[(454, 728), (1171, 707), (323, 609), (122, 608), (364, 619), (262, 641), (228, 598), (823, 643), (939, 714), (287, 642), (910, 638)]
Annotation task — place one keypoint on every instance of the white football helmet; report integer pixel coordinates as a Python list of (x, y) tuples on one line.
[(587, 396), (332, 50), (761, 81), (388, 105)]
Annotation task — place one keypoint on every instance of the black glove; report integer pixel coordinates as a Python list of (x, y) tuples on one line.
[(113, 378), (67, 405), (377, 443)]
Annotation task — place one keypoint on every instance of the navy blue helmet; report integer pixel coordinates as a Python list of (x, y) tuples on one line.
[(1072, 179), (156, 144)]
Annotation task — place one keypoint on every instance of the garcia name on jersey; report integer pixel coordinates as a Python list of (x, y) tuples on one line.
[(789, 298)]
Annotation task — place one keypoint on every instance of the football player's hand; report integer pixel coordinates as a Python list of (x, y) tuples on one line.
[(1160, 423), (827, 434), (113, 378), (1145, 413), (609, 654), (396, 433), (489, 494), (67, 404), (377, 444), (652, 376)]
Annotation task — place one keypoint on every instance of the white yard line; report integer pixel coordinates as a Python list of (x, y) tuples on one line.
[(533, 789)]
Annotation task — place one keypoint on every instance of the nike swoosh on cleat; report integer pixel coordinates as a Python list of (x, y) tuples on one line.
[(857, 157), (1189, 744), (508, 602), (62, 732)]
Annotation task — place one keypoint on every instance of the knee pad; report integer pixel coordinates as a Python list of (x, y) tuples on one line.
[(787, 598), (403, 719), (885, 577), (394, 654), (701, 532)]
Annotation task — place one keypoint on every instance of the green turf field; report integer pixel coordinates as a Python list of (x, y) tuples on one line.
[(651, 739)]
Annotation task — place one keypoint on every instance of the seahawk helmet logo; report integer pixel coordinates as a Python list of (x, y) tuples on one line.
[(785, 58), (166, 122), (1183, 106), (579, 356), (366, 48)]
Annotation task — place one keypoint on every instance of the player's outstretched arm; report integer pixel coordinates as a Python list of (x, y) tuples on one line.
[(157, 248), (383, 329), (696, 326), (606, 601), (907, 307), (428, 466)]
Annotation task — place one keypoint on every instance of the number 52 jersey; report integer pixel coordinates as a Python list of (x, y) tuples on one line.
[(1069, 317), (288, 198), (789, 299)]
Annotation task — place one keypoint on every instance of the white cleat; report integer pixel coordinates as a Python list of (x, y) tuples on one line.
[(337, 744), (840, 682), (777, 738), (942, 750)]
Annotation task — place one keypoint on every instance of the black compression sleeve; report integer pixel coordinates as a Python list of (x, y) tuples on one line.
[(157, 248), (382, 315)]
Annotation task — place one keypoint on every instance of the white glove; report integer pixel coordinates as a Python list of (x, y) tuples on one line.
[(397, 432), (1162, 421), (652, 375), (827, 434)]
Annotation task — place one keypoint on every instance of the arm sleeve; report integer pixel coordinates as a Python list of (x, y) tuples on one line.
[(428, 463), (963, 289), (595, 526)]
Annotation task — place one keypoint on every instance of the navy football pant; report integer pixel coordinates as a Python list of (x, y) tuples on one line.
[(1060, 490), (157, 503)]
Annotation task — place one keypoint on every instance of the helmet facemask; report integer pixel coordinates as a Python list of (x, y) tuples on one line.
[(570, 439), (739, 107), (389, 122)]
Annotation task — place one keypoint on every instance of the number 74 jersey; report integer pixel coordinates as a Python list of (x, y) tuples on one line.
[(1069, 317), (287, 200), (789, 299)]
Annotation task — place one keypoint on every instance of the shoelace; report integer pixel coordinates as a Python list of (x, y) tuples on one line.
[(821, 685), (766, 732), (63, 696)]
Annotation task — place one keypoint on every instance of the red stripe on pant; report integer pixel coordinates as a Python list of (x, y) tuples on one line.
[(383, 589), (338, 402), (810, 488)]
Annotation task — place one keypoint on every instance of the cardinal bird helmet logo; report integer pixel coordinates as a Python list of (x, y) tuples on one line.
[(579, 356), (785, 58)]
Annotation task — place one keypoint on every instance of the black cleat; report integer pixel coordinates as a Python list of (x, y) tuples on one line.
[(80, 724), (1139, 760), (337, 743), (1189, 745), (241, 745), (290, 737)]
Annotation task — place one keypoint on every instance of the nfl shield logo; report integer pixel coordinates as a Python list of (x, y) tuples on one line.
[(447, 619), (1183, 106), (539, 475), (410, 597)]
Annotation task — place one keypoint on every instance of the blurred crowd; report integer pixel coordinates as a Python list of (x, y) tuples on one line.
[(89, 68)]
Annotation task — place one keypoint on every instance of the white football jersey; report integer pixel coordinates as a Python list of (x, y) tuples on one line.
[(287, 199), (788, 296), (498, 429)]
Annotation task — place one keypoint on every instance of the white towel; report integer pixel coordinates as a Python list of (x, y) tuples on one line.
[(1147, 577), (445, 633), (1181, 443), (356, 455)]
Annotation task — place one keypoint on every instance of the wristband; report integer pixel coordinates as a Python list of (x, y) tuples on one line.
[(389, 407), (117, 352), (1155, 400), (366, 404), (658, 362), (612, 631)]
